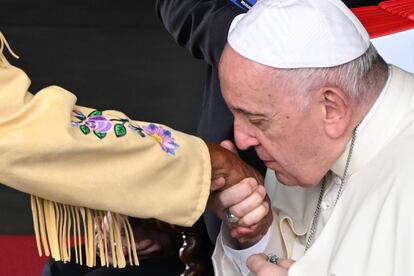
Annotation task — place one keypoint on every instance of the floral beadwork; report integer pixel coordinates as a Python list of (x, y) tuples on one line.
[(137, 130), (101, 126), (162, 136)]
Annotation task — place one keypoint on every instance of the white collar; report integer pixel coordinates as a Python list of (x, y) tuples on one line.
[(379, 123), (377, 102)]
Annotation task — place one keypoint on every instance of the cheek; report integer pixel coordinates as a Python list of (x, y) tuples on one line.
[(287, 146), (271, 146), (276, 140)]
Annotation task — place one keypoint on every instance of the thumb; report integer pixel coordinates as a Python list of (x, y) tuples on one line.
[(285, 263), (229, 145), (217, 184), (259, 263)]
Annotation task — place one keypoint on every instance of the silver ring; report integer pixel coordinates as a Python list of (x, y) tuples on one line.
[(272, 258), (231, 218)]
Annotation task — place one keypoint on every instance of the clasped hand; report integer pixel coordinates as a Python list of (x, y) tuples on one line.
[(239, 188)]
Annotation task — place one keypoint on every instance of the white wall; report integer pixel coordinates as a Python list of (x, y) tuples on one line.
[(397, 49)]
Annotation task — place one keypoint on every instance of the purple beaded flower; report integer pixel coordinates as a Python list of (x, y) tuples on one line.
[(94, 121), (162, 136), (99, 123)]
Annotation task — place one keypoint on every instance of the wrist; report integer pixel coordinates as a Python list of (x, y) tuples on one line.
[(220, 161)]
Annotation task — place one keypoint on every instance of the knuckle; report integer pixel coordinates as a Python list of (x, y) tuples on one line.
[(258, 198), (248, 189), (249, 205), (248, 220), (265, 207), (252, 181), (222, 198), (261, 191)]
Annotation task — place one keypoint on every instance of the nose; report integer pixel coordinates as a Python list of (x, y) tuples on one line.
[(244, 136)]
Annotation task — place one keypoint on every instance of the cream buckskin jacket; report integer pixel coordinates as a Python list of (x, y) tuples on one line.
[(370, 231), (78, 162)]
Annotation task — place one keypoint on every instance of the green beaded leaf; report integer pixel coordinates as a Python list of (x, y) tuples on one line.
[(95, 113), (80, 117), (84, 129), (100, 135), (120, 130), (141, 133)]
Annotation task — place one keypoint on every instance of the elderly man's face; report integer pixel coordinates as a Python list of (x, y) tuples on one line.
[(271, 117)]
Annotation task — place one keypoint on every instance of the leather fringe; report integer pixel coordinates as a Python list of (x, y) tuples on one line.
[(59, 227)]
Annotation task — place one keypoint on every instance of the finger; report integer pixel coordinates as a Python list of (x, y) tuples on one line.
[(246, 236), (153, 248), (110, 261), (107, 221), (243, 230), (237, 193), (257, 262), (217, 184), (124, 245), (255, 216), (105, 224), (249, 203), (238, 232), (143, 244), (285, 263), (229, 145)]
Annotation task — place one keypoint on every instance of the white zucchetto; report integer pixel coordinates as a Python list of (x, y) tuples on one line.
[(299, 34)]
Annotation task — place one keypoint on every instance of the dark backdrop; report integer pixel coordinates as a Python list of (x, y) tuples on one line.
[(113, 54)]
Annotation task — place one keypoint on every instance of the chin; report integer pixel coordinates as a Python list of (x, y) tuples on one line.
[(285, 180), (292, 181)]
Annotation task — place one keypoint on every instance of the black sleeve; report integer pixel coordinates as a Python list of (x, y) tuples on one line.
[(360, 3), (201, 26)]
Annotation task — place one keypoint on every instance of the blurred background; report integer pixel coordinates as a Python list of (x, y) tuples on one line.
[(112, 55)]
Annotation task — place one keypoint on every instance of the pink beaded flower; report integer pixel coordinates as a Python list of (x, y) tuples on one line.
[(162, 136)]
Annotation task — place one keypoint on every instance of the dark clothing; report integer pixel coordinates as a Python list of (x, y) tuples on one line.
[(201, 27), (171, 266)]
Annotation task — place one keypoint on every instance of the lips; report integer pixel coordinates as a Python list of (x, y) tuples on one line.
[(264, 159), (269, 163)]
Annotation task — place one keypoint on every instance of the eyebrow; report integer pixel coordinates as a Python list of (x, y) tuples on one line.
[(249, 113)]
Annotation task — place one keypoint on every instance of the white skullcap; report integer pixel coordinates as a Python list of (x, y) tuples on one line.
[(299, 34)]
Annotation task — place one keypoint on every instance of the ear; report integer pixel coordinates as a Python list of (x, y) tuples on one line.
[(336, 111)]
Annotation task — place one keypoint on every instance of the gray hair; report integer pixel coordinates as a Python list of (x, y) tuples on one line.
[(360, 79)]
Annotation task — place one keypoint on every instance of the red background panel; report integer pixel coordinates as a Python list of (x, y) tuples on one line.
[(19, 257)]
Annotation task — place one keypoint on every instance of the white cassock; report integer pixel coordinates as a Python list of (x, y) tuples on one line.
[(370, 230)]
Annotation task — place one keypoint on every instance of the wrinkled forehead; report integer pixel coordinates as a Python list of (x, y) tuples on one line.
[(245, 82), (235, 69)]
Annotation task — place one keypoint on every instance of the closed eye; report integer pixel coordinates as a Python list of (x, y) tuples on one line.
[(257, 122), (261, 123)]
